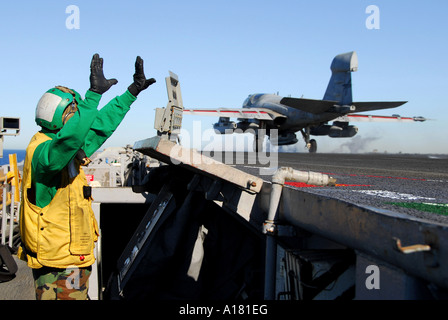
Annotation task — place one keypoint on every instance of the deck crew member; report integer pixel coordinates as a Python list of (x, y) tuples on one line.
[(57, 225)]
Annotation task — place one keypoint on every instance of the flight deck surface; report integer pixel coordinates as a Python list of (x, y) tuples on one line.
[(416, 185)]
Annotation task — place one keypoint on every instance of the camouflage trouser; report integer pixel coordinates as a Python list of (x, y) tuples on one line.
[(61, 284)]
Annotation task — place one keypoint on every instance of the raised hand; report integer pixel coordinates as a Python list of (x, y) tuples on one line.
[(140, 82), (99, 83)]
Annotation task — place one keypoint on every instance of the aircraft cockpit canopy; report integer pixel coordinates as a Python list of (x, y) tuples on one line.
[(252, 99), (247, 102)]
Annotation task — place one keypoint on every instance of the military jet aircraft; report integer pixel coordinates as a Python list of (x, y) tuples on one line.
[(263, 113)]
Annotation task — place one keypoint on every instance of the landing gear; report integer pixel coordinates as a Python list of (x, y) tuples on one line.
[(258, 143), (311, 145), (260, 133)]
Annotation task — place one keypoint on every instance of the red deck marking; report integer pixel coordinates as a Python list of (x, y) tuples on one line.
[(353, 185), (373, 176), (304, 185)]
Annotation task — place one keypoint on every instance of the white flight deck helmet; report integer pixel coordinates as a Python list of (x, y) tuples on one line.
[(56, 106)]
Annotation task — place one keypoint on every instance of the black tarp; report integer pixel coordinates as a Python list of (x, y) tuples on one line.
[(197, 251)]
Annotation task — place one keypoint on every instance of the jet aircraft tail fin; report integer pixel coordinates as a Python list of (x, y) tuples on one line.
[(340, 86)]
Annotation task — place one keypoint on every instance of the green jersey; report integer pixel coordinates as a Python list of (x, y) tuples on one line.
[(88, 129)]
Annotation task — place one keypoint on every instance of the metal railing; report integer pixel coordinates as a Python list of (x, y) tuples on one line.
[(10, 201)]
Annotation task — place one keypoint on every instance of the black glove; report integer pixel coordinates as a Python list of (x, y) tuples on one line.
[(82, 158), (98, 83), (140, 81)]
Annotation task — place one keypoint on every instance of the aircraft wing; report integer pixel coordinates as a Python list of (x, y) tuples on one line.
[(375, 118), (244, 113), (369, 106), (309, 105), (321, 106)]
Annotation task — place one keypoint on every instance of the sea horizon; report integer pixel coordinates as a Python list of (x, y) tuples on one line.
[(6, 152)]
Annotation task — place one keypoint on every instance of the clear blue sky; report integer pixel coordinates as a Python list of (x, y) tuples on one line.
[(225, 50)]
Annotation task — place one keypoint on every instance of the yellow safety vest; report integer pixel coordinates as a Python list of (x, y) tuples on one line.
[(63, 233)]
